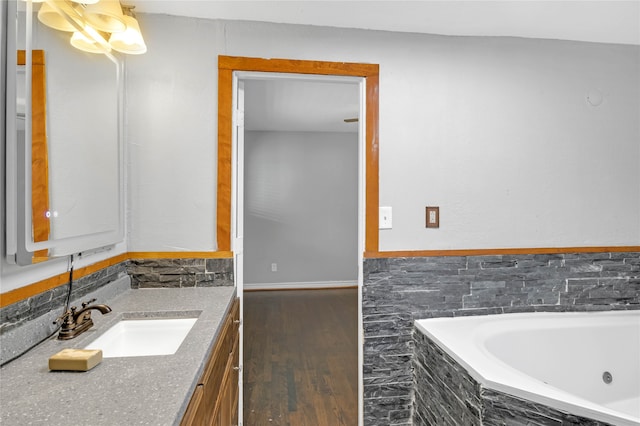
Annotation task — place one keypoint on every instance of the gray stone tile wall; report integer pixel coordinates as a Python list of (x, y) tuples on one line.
[(500, 409), (144, 274), (27, 322), (159, 273), (398, 291), (446, 395), (21, 312)]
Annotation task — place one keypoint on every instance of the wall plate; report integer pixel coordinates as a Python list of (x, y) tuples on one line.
[(433, 217), (385, 221)]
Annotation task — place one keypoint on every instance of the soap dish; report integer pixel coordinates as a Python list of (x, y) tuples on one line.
[(75, 360)]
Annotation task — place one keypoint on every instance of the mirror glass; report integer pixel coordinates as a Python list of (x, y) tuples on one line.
[(68, 143)]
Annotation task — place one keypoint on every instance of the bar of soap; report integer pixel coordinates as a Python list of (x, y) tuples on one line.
[(75, 359)]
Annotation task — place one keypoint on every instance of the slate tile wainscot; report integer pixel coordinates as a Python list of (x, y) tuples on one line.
[(19, 313), (399, 290), (27, 321), (164, 273)]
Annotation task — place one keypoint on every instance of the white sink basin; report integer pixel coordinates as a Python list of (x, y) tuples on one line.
[(143, 337)]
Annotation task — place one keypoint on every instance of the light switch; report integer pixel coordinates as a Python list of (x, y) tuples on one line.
[(385, 218)]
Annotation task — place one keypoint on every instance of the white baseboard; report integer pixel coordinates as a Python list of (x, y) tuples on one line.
[(300, 285)]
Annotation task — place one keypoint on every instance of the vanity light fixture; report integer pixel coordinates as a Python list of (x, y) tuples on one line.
[(129, 41), (50, 16), (78, 1), (90, 44), (105, 15), (97, 25)]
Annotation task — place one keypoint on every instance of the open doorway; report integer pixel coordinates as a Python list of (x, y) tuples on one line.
[(300, 182), (300, 222), (229, 230)]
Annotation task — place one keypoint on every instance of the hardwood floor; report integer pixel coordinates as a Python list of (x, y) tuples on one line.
[(300, 358)]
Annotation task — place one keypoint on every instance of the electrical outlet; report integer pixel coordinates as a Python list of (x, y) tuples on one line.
[(433, 217), (274, 267)]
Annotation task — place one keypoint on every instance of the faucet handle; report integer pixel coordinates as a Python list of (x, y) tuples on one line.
[(67, 317), (85, 304)]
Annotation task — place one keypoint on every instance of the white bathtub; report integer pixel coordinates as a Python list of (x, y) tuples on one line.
[(556, 359)]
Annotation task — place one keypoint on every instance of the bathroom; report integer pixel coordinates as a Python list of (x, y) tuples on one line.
[(528, 146)]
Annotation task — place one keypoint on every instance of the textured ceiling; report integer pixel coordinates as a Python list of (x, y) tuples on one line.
[(300, 106)]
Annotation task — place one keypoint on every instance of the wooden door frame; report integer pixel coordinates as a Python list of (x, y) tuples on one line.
[(227, 65)]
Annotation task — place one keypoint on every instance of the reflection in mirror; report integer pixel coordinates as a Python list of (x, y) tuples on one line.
[(67, 153), (39, 154)]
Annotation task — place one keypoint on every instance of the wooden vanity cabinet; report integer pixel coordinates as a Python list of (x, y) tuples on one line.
[(215, 399)]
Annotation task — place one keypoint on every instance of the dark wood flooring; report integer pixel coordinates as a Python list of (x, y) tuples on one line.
[(300, 358)]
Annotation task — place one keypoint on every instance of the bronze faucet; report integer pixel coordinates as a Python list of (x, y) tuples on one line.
[(75, 322)]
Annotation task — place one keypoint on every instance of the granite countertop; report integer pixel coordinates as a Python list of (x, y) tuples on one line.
[(148, 390)]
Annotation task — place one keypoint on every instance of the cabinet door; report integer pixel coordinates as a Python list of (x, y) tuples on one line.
[(194, 416), (234, 385), (213, 378), (229, 393), (214, 402)]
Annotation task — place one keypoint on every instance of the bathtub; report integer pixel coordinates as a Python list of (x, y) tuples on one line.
[(586, 364)]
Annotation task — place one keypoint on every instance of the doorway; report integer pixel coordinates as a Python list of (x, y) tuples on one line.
[(229, 168), (300, 223)]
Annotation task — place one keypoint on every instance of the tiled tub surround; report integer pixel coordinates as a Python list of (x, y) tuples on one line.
[(164, 273), (446, 395), (28, 321), (534, 368), (398, 291), (147, 390)]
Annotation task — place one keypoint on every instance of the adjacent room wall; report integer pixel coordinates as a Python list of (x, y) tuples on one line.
[(301, 208), (497, 132)]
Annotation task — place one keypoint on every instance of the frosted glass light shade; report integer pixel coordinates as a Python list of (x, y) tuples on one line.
[(51, 18), (129, 41), (106, 15), (86, 44)]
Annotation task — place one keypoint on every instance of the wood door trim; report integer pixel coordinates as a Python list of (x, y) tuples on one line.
[(227, 65)]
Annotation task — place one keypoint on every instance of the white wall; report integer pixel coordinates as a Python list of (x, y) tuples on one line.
[(171, 134), (301, 207), (495, 131)]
